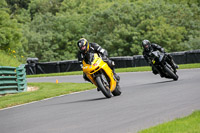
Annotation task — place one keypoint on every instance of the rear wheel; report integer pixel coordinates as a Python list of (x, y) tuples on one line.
[(171, 73), (103, 86), (117, 91)]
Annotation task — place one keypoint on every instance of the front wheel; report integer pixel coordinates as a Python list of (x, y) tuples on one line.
[(171, 74), (105, 90)]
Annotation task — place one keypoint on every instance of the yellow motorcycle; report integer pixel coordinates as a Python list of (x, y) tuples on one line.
[(101, 75)]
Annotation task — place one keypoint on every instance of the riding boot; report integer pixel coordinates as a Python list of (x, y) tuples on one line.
[(162, 75), (174, 64), (154, 70)]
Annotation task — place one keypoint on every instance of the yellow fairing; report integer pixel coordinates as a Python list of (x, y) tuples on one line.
[(97, 65)]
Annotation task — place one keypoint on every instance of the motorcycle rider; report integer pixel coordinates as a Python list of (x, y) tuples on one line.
[(85, 48), (149, 47)]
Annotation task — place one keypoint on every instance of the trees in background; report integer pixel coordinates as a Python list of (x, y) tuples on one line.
[(49, 29), (10, 33)]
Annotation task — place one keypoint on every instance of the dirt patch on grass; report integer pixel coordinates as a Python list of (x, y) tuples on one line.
[(29, 88), (32, 88)]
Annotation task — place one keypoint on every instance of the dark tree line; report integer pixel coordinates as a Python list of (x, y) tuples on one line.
[(49, 29)]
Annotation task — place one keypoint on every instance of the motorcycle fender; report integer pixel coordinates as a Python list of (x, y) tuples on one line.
[(109, 72)]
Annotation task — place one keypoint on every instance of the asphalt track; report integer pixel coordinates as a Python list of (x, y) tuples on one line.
[(147, 100)]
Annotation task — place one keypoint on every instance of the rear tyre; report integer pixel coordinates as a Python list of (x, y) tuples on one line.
[(171, 74), (117, 91), (103, 89)]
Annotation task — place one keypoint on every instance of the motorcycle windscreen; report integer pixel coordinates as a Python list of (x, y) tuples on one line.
[(161, 57)]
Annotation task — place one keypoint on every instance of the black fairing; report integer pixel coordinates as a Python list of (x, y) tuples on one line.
[(89, 57)]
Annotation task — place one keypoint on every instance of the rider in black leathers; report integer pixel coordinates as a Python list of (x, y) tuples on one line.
[(85, 48), (149, 47)]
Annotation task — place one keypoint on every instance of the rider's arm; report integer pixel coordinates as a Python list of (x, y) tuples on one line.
[(80, 58), (99, 49), (147, 59), (157, 47)]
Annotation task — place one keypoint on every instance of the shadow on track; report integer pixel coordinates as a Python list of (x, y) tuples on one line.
[(87, 100), (160, 82), (80, 101)]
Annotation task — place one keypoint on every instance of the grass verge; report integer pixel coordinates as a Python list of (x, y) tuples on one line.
[(46, 90), (189, 124), (118, 70)]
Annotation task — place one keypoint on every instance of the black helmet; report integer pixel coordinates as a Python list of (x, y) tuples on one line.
[(146, 45), (83, 45)]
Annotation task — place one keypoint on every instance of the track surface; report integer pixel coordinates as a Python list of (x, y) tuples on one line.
[(147, 100)]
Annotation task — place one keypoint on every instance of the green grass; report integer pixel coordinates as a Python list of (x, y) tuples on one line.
[(8, 60), (190, 66), (46, 90), (119, 70), (189, 124), (55, 74)]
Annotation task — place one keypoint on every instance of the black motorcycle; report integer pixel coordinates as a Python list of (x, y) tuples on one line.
[(162, 66)]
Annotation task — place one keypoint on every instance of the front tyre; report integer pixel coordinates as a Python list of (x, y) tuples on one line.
[(171, 74), (105, 90), (117, 91)]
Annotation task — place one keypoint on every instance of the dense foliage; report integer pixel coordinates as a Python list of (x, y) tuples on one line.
[(49, 29), (8, 60)]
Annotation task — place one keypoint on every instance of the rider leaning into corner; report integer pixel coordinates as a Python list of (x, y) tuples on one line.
[(149, 47), (85, 48)]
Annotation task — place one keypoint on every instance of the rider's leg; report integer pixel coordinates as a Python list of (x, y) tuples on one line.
[(111, 64), (171, 62), (115, 74)]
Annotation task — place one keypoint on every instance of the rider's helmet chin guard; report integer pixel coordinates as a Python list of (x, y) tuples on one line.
[(146, 45), (83, 45)]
